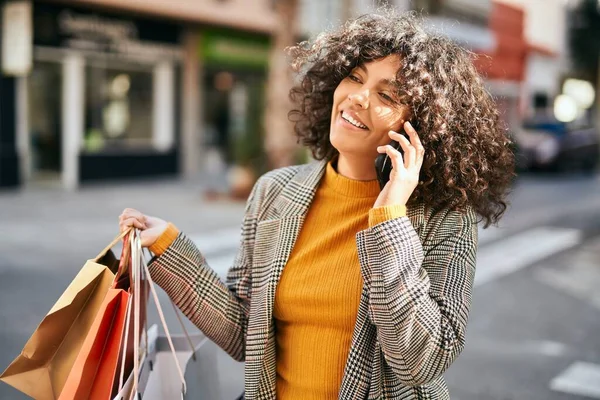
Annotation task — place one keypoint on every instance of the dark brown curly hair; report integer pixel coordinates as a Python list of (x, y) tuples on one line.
[(468, 155)]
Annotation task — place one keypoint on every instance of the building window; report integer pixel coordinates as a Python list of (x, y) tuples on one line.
[(119, 107)]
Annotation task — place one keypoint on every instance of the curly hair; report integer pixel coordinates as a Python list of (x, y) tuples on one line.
[(468, 154)]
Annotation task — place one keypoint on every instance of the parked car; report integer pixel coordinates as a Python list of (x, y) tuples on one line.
[(555, 146)]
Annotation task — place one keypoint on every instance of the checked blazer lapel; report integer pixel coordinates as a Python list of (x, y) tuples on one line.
[(275, 239), (291, 206)]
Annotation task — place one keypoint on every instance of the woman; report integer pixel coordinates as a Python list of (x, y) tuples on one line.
[(340, 289)]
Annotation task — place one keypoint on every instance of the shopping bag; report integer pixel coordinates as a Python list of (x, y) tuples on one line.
[(95, 374), (45, 362), (210, 373), (147, 361)]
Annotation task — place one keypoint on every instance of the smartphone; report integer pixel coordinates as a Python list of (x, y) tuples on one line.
[(383, 164)]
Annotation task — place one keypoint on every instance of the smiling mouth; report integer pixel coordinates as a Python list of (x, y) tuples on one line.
[(346, 117)]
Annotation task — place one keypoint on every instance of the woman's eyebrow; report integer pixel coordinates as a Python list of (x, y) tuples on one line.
[(385, 82), (390, 83)]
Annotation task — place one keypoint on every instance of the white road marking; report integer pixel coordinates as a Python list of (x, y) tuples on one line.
[(490, 234), (219, 248), (509, 349), (518, 251), (217, 241), (580, 279), (581, 378)]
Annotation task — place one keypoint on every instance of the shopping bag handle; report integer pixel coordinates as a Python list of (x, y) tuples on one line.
[(138, 267), (113, 243), (144, 265), (126, 257), (133, 311)]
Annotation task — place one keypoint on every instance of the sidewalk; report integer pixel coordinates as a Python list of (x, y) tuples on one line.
[(81, 222)]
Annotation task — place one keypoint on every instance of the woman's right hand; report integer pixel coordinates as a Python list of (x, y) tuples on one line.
[(151, 227)]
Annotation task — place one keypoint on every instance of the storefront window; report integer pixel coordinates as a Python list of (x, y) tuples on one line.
[(119, 107), (233, 116)]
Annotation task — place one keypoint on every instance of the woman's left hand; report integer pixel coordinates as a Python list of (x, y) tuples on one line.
[(404, 176)]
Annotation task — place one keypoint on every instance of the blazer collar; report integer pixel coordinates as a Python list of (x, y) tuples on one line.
[(297, 195)]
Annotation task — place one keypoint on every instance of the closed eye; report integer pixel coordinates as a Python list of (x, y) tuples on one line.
[(354, 78), (387, 97)]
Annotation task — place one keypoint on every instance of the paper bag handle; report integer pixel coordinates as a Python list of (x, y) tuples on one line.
[(139, 266), (113, 243)]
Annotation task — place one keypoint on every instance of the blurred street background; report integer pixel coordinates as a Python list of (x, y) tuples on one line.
[(176, 107)]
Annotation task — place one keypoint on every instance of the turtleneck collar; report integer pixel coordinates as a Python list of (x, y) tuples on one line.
[(349, 187)]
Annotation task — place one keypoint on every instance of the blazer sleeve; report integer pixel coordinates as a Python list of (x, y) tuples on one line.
[(219, 309), (419, 302)]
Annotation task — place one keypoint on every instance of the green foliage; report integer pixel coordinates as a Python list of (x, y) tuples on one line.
[(248, 149)]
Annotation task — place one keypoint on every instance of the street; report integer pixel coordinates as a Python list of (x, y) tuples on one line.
[(534, 325)]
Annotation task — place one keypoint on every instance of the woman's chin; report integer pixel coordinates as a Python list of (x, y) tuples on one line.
[(350, 143), (358, 151)]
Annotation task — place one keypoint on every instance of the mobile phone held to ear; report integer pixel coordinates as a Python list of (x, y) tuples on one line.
[(383, 165)]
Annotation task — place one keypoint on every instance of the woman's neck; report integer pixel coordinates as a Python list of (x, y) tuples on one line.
[(357, 168)]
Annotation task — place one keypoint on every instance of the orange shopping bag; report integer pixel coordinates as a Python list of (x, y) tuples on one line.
[(45, 362), (97, 367)]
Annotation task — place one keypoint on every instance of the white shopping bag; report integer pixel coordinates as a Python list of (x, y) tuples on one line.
[(210, 374)]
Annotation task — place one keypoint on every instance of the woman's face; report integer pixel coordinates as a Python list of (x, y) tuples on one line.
[(365, 109)]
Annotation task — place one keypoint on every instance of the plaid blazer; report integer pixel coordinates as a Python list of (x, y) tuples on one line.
[(418, 277)]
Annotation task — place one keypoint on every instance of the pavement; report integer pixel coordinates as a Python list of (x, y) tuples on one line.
[(533, 328)]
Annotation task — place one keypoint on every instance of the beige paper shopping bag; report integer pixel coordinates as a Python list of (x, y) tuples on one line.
[(45, 362)]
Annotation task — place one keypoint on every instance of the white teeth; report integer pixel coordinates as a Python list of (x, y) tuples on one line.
[(354, 122)]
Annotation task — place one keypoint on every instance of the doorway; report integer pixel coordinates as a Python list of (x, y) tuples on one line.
[(45, 127), (233, 111)]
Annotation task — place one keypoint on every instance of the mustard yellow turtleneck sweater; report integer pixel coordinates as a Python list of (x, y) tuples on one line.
[(318, 295)]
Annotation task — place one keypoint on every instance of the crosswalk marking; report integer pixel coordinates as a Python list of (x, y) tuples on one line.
[(580, 278), (580, 378), (515, 252), (490, 234), (218, 241), (497, 256)]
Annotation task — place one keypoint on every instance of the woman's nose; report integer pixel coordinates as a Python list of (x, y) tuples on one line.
[(360, 99)]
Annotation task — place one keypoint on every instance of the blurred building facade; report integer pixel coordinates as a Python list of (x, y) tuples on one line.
[(546, 54), (130, 89)]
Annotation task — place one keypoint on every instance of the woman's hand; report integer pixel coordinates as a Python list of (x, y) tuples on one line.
[(404, 176), (151, 227)]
